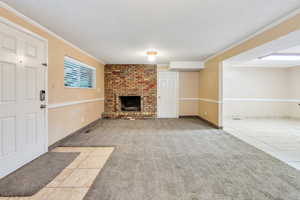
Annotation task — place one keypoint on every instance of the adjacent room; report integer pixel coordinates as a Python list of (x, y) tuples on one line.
[(261, 99), (149, 100)]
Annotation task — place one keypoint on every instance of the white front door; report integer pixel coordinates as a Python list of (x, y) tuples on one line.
[(167, 94), (23, 132)]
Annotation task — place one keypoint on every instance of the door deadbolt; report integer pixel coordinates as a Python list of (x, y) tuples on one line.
[(42, 95)]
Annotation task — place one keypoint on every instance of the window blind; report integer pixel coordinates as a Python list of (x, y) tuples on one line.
[(77, 74)]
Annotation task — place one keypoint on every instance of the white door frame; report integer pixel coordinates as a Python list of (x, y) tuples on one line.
[(176, 86), (26, 31)]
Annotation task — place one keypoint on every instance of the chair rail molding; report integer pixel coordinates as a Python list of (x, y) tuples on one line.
[(189, 99), (210, 100), (263, 100), (58, 105)]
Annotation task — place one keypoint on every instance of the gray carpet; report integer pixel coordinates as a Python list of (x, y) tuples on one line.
[(183, 159), (32, 177)]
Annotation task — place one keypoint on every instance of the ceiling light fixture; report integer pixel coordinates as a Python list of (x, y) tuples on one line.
[(281, 56), (151, 55)]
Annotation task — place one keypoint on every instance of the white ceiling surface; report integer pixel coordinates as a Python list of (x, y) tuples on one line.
[(287, 44), (120, 31)]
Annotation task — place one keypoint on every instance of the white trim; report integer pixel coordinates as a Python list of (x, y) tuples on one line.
[(47, 97), (31, 21), (267, 27), (177, 95), (263, 100), (176, 88), (200, 99), (21, 28), (189, 99), (59, 105), (79, 62), (210, 100), (73, 60)]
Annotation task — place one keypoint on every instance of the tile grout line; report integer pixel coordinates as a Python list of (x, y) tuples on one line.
[(58, 181)]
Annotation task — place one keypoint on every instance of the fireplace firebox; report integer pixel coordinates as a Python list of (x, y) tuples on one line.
[(130, 103)]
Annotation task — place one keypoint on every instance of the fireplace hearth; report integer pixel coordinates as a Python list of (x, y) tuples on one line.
[(130, 103)]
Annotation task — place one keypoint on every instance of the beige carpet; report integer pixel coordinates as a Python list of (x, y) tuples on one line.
[(184, 159)]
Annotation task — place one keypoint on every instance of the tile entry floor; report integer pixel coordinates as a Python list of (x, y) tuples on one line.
[(277, 136), (75, 180)]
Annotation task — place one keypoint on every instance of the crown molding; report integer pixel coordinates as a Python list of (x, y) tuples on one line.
[(265, 28), (32, 22)]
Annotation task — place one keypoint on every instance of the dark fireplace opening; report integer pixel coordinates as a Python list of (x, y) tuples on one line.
[(130, 103)]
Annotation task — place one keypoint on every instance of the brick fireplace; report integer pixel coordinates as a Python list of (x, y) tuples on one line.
[(130, 91)]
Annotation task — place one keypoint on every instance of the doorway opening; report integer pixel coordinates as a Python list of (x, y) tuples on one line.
[(261, 98)]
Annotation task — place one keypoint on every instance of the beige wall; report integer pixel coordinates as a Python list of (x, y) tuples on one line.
[(189, 84), (266, 86), (65, 120), (255, 109), (255, 83), (209, 77), (209, 89), (188, 93)]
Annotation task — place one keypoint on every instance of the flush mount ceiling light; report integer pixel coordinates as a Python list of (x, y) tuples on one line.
[(282, 56), (151, 55)]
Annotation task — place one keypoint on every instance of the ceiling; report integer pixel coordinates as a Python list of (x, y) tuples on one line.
[(276, 63), (120, 31), (288, 44), (267, 63)]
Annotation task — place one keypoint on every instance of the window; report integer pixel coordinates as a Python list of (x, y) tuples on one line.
[(78, 75)]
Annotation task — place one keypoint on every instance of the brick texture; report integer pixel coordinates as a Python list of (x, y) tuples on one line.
[(130, 80)]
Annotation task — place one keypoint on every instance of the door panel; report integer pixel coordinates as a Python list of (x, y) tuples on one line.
[(9, 43), (31, 83), (23, 134), (167, 95), (9, 140), (30, 50), (8, 77), (31, 125)]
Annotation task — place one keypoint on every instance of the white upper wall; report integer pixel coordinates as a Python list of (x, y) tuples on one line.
[(294, 89), (294, 82), (253, 82)]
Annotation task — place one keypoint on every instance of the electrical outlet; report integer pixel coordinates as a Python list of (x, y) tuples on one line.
[(82, 119), (205, 113)]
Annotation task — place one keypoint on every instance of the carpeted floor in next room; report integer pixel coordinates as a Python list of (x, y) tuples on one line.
[(183, 159)]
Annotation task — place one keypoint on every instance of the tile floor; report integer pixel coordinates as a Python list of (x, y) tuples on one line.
[(75, 180), (278, 137)]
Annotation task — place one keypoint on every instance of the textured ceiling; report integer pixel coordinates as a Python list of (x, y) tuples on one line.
[(120, 31)]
